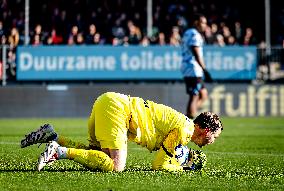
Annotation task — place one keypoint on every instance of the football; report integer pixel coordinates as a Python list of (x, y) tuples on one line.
[(182, 154), (189, 158)]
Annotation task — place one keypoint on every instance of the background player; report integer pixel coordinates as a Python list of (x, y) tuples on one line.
[(193, 67)]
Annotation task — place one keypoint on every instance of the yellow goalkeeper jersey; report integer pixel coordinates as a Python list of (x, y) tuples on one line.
[(153, 125)]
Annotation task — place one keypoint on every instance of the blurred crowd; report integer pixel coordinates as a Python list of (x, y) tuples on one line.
[(124, 22)]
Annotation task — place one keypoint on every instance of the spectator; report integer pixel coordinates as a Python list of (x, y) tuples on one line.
[(116, 42), (36, 40), (72, 39), (232, 41), (238, 31), (161, 39), (209, 37), (219, 40), (11, 65), (97, 39), (145, 41), (125, 41), (38, 36), (54, 38), (90, 36), (3, 40), (134, 33), (226, 33), (175, 38), (80, 39), (14, 38), (248, 38), (2, 32)]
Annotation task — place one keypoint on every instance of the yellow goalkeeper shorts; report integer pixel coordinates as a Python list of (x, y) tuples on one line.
[(110, 115)]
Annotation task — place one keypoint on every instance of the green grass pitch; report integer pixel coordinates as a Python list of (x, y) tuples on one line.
[(249, 155)]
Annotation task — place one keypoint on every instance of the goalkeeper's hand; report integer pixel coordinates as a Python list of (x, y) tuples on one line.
[(196, 161), (207, 76)]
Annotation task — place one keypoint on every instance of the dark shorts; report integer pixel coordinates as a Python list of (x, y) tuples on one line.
[(193, 85)]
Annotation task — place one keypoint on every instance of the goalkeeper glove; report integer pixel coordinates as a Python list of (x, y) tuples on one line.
[(197, 160)]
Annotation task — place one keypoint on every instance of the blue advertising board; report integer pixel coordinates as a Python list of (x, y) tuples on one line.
[(231, 62), (127, 63)]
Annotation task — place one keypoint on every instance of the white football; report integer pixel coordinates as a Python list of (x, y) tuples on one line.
[(181, 154)]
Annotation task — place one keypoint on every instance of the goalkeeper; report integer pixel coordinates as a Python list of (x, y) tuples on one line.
[(117, 118)]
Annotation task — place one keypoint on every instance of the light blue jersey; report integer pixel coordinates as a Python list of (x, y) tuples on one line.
[(190, 67)]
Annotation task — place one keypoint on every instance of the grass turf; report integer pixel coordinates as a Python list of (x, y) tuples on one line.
[(249, 155)]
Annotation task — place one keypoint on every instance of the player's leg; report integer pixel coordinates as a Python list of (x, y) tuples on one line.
[(93, 142), (112, 119), (112, 116), (94, 159), (192, 89), (100, 160), (105, 160), (203, 96), (119, 158), (112, 135), (91, 159), (192, 106), (197, 95), (67, 142)]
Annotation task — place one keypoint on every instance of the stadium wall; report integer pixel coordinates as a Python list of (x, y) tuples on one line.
[(76, 100)]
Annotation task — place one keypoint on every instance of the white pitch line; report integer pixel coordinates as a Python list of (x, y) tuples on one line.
[(250, 154)]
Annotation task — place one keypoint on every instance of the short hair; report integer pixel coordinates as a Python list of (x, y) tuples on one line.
[(208, 120), (194, 18)]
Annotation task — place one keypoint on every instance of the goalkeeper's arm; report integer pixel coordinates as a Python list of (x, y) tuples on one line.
[(165, 157), (163, 161)]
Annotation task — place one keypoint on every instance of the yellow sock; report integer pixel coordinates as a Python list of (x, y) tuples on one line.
[(91, 158), (66, 142)]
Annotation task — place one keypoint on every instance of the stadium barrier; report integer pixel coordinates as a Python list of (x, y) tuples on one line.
[(233, 100), (43, 64), (129, 63), (271, 64)]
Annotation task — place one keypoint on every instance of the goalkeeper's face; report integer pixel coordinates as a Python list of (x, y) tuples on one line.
[(211, 136), (204, 137)]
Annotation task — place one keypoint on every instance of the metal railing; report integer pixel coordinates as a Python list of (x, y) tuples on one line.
[(270, 64), (3, 65)]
